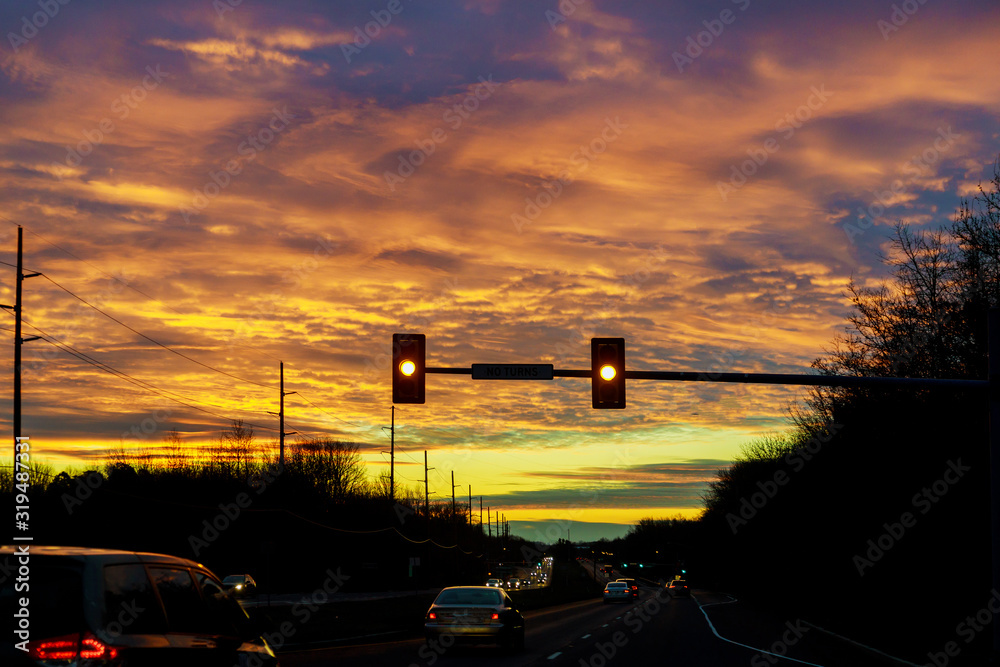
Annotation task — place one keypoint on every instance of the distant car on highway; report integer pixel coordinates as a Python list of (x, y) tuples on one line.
[(525, 583), (617, 591), (475, 615), (678, 588), (494, 583), (110, 607), (632, 586), (241, 585), (513, 583)]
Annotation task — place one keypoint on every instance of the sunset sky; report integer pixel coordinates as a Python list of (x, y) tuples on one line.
[(252, 182)]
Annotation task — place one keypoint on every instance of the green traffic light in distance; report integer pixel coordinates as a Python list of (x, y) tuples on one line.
[(407, 367), (608, 372)]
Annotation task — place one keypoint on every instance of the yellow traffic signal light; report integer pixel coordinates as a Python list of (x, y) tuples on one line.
[(408, 368), (607, 363)]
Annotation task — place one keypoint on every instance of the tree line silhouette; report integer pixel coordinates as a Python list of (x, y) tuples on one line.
[(234, 507), (871, 516)]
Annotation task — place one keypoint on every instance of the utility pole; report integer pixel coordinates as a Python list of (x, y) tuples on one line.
[(281, 417), (392, 457), (453, 512), (470, 506), (480, 514), (427, 504), (17, 336), (489, 522)]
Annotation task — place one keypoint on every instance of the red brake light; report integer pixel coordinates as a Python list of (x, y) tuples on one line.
[(495, 617), (432, 616), (69, 647)]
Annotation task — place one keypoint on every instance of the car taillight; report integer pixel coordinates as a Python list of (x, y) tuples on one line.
[(495, 617), (70, 647), (432, 616)]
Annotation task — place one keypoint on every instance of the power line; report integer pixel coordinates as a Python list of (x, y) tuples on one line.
[(299, 394), (155, 342), (163, 393), (113, 277)]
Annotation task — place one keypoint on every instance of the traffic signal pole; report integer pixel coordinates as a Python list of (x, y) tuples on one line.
[(994, 398), (990, 386)]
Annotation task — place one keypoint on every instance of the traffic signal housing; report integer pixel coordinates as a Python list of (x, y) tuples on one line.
[(408, 368), (607, 365)]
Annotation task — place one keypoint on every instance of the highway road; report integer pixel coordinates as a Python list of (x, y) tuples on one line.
[(707, 629)]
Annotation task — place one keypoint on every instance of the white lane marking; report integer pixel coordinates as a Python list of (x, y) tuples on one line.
[(555, 655), (701, 608), (586, 636)]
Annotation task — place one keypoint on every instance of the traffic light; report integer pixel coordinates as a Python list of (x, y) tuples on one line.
[(607, 365), (408, 368)]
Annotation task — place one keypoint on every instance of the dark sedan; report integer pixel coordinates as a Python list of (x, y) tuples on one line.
[(475, 615), (678, 587)]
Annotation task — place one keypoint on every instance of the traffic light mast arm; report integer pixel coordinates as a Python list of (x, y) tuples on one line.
[(802, 379), (764, 378)]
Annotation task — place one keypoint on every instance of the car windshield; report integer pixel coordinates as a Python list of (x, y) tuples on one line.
[(470, 596), (233, 579), (679, 583), (616, 585)]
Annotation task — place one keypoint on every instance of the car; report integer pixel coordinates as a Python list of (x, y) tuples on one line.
[(513, 583), (110, 607), (475, 615), (617, 591), (632, 586), (525, 583), (241, 585), (678, 587), (494, 583)]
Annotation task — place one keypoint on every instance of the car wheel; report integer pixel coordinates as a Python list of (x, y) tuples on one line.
[(514, 643)]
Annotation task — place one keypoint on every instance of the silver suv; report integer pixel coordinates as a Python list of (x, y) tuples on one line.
[(105, 607)]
